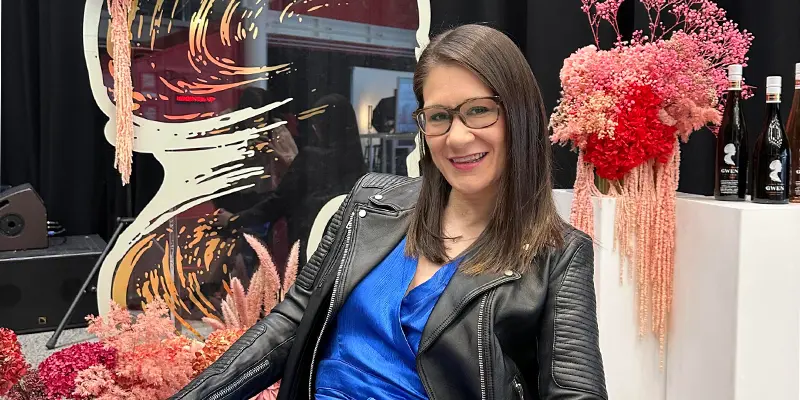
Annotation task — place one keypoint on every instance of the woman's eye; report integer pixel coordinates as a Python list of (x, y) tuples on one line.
[(439, 117), (477, 110)]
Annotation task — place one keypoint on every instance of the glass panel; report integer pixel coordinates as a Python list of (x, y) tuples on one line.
[(260, 112)]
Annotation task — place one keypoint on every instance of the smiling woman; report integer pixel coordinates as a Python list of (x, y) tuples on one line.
[(461, 284)]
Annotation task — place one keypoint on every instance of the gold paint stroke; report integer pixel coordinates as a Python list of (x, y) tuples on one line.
[(208, 255), (167, 281), (179, 266), (225, 24), (186, 117), (139, 30), (193, 278), (198, 29), (315, 8), (119, 288), (283, 13), (227, 288), (312, 112)]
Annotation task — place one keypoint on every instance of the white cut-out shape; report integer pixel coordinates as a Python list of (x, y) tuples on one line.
[(190, 162), (412, 161), (185, 156), (775, 169), (730, 151)]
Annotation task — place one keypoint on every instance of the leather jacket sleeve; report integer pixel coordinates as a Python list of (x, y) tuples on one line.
[(570, 363), (257, 359)]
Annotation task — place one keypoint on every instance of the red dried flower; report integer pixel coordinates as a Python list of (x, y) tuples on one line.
[(12, 363), (639, 136), (30, 387), (60, 369)]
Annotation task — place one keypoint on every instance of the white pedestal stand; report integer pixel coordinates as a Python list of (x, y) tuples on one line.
[(735, 322)]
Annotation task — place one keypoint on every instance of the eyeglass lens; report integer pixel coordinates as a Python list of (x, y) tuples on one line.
[(476, 114)]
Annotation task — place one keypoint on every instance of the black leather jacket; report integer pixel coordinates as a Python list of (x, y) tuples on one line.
[(492, 336)]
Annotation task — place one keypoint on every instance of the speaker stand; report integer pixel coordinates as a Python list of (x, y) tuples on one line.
[(121, 224)]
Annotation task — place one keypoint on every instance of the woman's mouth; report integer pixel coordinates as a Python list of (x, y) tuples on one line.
[(469, 162)]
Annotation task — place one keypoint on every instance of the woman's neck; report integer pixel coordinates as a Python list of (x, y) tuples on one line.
[(467, 216)]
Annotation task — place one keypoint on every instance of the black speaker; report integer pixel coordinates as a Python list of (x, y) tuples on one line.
[(23, 219), (38, 286)]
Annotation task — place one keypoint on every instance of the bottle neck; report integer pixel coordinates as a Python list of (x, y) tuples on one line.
[(797, 82), (734, 85), (773, 98)]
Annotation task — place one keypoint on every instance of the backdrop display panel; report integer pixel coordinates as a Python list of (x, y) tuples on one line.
[(246, 105)]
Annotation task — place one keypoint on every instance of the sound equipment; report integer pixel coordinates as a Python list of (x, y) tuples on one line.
[(23, 219), (37, 286)]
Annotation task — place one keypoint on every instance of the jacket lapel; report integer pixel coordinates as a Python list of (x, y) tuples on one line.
[(462, 290), (381, 221)]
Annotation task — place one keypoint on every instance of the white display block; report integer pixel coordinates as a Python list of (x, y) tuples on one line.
[(734, 329), (631, 363)]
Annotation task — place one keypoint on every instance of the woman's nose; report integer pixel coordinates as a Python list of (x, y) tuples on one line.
[(459, 134)]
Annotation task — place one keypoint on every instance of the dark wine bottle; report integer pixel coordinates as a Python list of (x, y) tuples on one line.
[(730, 181), (771, 156), (793, 132)]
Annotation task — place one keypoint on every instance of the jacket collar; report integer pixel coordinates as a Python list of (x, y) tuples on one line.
[(401, 197)]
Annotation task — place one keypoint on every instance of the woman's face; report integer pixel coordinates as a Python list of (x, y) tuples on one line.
[(471, 160)]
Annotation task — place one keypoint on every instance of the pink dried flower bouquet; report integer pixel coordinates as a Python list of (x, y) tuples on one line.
[(624, 110)]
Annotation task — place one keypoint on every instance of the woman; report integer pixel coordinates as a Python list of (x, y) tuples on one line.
[(463, 284), (328, 166)]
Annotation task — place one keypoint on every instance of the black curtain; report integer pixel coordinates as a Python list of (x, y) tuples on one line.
[(52, 128), (549, 31)]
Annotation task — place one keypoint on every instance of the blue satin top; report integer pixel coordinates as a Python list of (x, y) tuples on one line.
[(372, 353)]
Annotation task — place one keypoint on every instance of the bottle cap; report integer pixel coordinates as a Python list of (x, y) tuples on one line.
[(734, 71), (797, 69), (774, 81), (774, 89)]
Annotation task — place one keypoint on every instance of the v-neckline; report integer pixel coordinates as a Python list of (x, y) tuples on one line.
[(427, 285)]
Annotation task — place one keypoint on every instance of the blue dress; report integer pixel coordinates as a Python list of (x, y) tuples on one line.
[(372, 353)]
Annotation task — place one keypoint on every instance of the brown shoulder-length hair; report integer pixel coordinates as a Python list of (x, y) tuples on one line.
[(524, 222)]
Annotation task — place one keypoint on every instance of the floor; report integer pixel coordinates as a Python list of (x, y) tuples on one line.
[(33, 344)]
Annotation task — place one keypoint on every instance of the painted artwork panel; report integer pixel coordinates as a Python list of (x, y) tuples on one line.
[(261, 113)]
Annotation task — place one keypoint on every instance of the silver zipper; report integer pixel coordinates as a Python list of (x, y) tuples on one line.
[(242, 378), (481, 369), (257, 369), (339, 274), (518, 388)]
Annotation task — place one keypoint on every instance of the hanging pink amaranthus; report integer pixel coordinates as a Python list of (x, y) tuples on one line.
[(624, 110)]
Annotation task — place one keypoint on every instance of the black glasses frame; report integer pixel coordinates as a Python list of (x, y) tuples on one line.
[(456, 112)]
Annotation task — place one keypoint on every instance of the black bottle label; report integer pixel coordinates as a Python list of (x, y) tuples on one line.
[(729, 172)]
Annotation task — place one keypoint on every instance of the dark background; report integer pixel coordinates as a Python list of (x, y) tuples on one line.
[(52, 129)]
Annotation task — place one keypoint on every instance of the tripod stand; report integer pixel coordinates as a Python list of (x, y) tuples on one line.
[(121, 224)]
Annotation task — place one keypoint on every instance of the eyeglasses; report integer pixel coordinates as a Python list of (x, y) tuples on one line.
[(475, 113)]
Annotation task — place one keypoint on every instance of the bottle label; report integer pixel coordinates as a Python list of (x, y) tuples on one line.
[(735, 85), (797, 83), (775, 186), (796, 183), (773, 98), (729, 173)]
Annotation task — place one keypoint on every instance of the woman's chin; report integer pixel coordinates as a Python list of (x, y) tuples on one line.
[(472, 186)]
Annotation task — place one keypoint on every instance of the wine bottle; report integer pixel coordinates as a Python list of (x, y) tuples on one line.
[(771, 156), (793, 132), (730, 181)]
